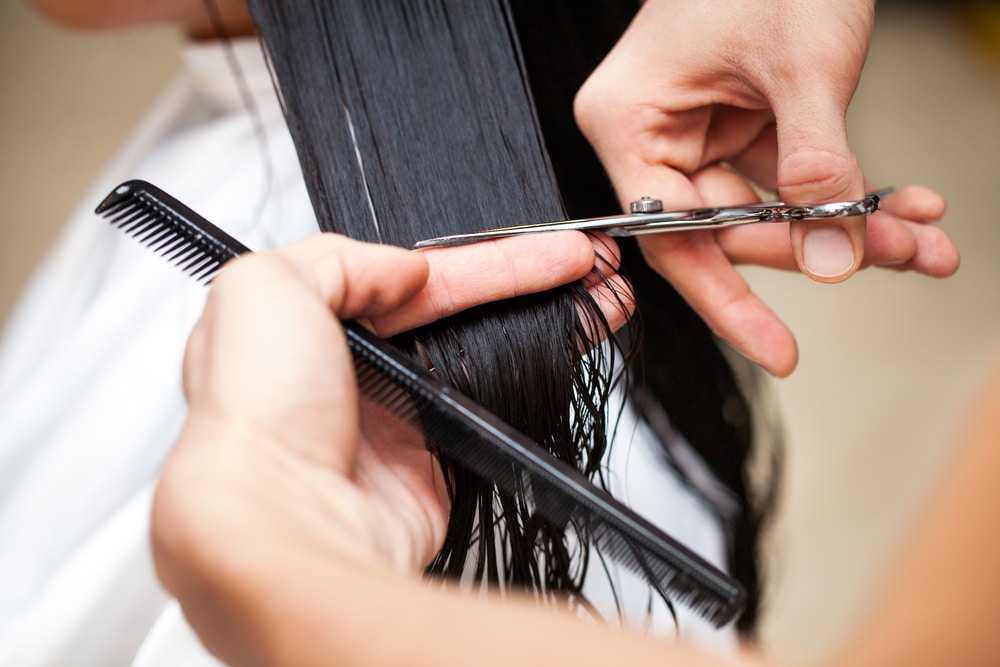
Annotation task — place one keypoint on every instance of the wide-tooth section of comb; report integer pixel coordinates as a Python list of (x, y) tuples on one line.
[(169, 227), (455, 424)]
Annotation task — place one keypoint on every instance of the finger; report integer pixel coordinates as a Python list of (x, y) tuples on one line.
[(700, 271), (915, 203), (934, 254), (816, 166), (607, 259), (906, 214), (759, 244), (734, 131), (613, 297), (759, 162), (465, 276), (280, 308), (267, 325), (890, 243), (692, 261), (353, 278), (609, 291), (719, 186)]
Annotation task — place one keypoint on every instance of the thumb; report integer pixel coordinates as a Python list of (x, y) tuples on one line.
[(816, 166)]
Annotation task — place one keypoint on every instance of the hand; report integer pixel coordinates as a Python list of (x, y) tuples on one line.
[(700, 101), (272, 465)]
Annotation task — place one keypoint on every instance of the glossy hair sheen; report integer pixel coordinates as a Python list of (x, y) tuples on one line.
[(418, 118)]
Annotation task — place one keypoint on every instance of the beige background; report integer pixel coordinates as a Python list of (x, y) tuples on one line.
[(886, 358)]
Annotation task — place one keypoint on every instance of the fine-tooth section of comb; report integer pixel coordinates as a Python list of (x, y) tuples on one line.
[(453, 423), (495, 451)]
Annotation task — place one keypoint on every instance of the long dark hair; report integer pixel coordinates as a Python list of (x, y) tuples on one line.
[(415, 119)]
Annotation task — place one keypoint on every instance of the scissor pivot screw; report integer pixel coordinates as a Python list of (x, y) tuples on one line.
[(646, 205)]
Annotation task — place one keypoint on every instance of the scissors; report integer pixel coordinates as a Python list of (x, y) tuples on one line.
[(646, 216)]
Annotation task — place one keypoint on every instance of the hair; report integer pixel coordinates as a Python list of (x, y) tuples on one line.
[(417, 118)]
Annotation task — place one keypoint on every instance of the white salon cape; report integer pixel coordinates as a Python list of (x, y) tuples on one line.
[(91, 399)]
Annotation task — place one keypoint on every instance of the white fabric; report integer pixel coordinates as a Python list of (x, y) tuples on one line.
[(640, 477), (90, 387)]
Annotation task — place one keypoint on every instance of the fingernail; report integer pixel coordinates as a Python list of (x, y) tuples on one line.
[(827, 252)]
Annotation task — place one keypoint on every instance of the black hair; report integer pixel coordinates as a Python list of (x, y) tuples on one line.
[(418, 118), (678, 367)]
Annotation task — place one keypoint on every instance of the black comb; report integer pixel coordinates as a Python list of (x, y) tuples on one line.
[(469, 434)]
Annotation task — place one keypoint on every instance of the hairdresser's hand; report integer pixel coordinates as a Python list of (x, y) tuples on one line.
[(700, 100), (276, 461)]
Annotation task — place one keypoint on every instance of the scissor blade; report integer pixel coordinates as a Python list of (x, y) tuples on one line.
[(614, 225), (675, 221)]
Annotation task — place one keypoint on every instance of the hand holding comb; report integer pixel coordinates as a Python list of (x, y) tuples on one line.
[(472, 436)]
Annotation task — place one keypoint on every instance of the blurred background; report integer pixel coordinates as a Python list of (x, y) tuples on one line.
[(887, 359)]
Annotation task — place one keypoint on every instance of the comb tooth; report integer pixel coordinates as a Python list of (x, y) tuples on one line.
[(378, 391), (139, 228), (717, 598), (187, 265), (146, 231), (207, 272), (401, 406), (113, 210), (366, 378), (146, 215), (125, 216), (180, 255), (206, 265), (141, 205), (182, 252), (378, 387), (183, 268), (136, 224), (386, 390), (190, 260), (165, 239), (123, 205), (193, 258), (203, 258), (207, 280), (170, 244), (197, 264), (210, 266), (128, 217), (179, 246), (163, 217), (158, 237)]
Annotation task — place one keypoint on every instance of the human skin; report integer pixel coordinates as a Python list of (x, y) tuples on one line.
[(274, 478), (292, 537), (697, 103)]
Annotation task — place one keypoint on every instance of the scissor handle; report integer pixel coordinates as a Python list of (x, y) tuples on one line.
[(740, 215)]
